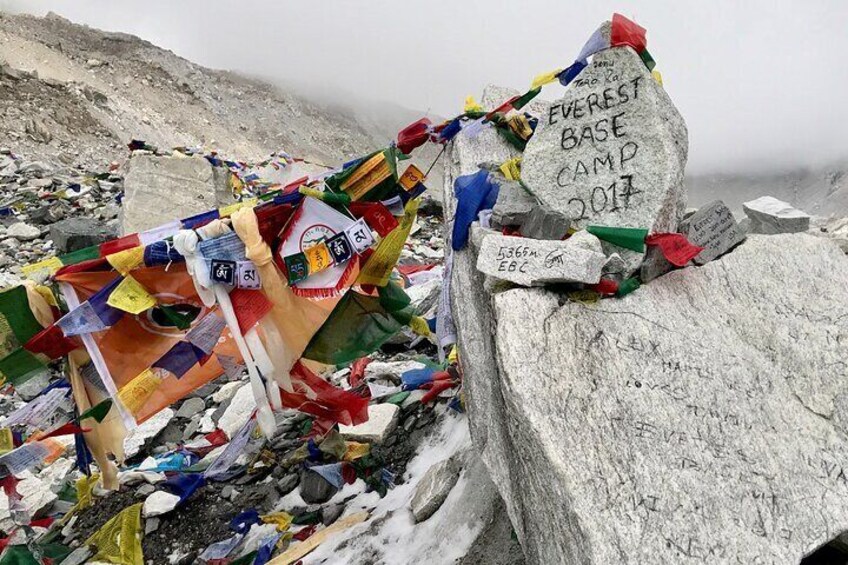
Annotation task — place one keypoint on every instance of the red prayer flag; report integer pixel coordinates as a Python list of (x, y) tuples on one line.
[(250, 306), (357, 371), (120, 244), (605, 286), (315, 396), (437, 388), (51, 341), (66, 430), (675, 247), (376, 215), (414, 135), (626, 32)]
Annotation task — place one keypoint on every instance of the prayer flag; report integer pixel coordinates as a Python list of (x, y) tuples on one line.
[(629, 238), (675, 247), (626, 32)]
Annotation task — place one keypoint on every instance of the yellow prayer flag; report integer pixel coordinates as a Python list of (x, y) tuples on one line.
[(281, 519), (318, 257), (411, 177), (356, 450), (453, 356), (131, 297), (510, 169), (119, 540), (7, 443), (135, 393), (127, 260), (229, 209), (379, 267), (85, 490), (46, 294), (471, 105), (545, 78), (50, 265), (657, 76), (368, 175)]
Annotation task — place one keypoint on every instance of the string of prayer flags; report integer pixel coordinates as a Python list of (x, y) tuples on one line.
[(318, 258), (127, 260), (675, 247), (628, 238)]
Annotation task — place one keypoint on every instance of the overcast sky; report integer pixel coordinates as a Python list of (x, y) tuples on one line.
[(760, 83)]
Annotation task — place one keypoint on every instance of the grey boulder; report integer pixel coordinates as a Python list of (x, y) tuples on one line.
[(433, 488), (160, 189), (74, 234), (769, 215)]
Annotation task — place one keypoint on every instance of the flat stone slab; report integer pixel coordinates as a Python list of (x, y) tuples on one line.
[(769, 216), (382, 420), (613, 150), (714, 228), (534, 262)]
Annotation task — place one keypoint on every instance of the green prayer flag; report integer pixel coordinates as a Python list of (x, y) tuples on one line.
[(181, 320), (628, 238), (98, 411), (18, 555), (245, 559), (80, 255), (628, 286), (17, 322), (648, 60), (397, 399), (526, 98), (359, 325), (20, 365)]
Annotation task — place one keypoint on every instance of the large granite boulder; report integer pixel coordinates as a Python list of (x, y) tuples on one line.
[(703, 418), (160, 189), (613, 150)]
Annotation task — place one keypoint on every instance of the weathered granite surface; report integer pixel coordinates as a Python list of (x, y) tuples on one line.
[(159, 189), (701, 419)]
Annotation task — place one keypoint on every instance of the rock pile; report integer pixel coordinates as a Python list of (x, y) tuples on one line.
[(632, 429)]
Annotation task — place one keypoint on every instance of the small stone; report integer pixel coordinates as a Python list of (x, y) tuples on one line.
[(49, 213), (79, 556), (314, 489), (514, 203), (288, 483), (74, 234), (146, 489), (91, 63), (382, 419), (150, 526), (158, 503), (331, 513), (544, 223), (191, 407), (535, 262), (238, 412), (771, 216), (654, 265), (226, 392), (433, 488), (23, 232), (714, 228)]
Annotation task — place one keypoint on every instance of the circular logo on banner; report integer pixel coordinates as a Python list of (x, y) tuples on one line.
[(313, 235)]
